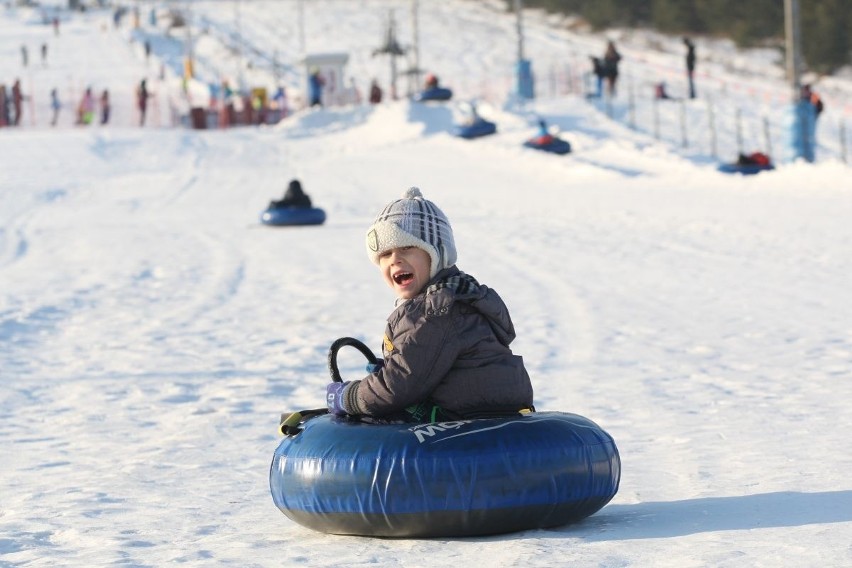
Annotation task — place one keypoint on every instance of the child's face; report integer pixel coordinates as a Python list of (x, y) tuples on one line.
[(405, 270)]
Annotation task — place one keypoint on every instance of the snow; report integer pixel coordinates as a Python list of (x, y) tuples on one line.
[(152, 331)]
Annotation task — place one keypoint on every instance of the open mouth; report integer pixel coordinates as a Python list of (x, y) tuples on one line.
[(403, 278)]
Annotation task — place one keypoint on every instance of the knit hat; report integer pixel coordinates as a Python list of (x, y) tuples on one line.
[(413, 221)]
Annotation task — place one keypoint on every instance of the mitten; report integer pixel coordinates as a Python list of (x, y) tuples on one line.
[(334, 398)]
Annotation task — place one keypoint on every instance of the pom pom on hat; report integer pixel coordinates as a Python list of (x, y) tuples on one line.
[(413, 221)]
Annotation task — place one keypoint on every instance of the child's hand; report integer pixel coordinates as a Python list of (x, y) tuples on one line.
[(334, 398)]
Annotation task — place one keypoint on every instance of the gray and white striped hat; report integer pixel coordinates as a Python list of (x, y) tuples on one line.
[(413, 221)]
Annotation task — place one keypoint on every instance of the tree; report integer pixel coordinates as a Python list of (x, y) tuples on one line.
[(826, 24)]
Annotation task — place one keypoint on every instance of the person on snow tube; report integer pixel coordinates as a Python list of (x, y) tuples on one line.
[(446, 352), (294, 197)]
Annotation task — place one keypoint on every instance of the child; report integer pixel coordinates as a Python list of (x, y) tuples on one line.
[(446, 345)]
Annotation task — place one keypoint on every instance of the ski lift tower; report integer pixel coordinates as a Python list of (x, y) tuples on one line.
[(392, 48), (524, 66), (803, 127), (414, 70)]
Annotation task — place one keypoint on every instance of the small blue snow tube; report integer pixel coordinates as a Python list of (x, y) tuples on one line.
[(745, 169), (476, 129), (554, 146), (446, 479), (287, 216), (434, 94)]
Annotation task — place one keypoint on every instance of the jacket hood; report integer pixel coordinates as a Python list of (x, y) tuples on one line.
[(452, 285)]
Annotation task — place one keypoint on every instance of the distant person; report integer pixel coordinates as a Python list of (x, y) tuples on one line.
[(17, 101), (660, 92), (473, 116), (86, 108), (431, 81), (315, 86), (810, 96), (753, 159), (258, 107), (690, 65), (294, 198), (5, 102), (105, 107), (44, 54), (279, 102), (142, 96), (599, 73), (55, 106), (611, 59), (25, 56), (544, 136), (375, 93), (147, 49)]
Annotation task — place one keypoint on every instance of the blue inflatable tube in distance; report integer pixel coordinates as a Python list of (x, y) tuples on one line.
[(433, 94), (745, 169), (292, 216), (476, 129)]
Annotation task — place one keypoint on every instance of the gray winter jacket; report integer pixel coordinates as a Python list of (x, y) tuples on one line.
[(448, 346)]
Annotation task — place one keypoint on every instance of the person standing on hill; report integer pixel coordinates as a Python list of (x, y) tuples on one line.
[(55, 105), (17, 101), (610, 60), (599, 73), (142, 100), (375, 93), (105, 106), (315, 85), (86, 108), (4, 106), (690, 65)]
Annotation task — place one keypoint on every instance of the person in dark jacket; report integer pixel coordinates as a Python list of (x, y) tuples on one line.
[(690, 65), (105, 106), (142, 96), (599, 73), (315, 85), (17, 101), (294, 197), (375, 92), (611, 59), (446, 352)]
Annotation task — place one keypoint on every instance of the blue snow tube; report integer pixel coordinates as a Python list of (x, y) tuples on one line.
[(554, 146), (287, 216), (433, 94), (476, 129), (446, 479), (745, 169)]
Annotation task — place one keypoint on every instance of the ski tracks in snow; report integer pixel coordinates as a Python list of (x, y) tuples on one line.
[(557, 333)]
